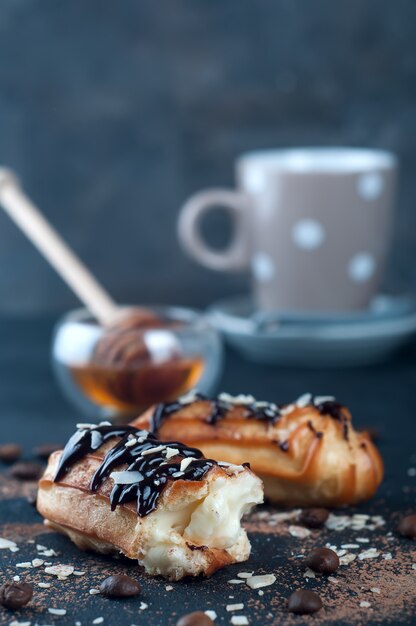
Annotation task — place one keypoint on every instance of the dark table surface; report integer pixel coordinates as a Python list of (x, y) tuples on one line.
[(32, 411)]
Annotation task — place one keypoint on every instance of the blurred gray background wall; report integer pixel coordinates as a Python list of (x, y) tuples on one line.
[(114, 112)]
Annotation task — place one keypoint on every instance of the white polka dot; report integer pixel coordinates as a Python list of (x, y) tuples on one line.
[(370, 186), (361, 267), (308, 234), (254, 180), (262, 267)]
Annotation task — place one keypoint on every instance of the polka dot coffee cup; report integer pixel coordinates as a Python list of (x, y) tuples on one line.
[(312, 225)]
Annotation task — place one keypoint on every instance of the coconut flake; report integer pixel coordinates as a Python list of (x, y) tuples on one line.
[(303, 400), (57, 611), (245, 574), (299, 531), (6, 544), (239, 620), (44, 585), (60, 570), (234, 607), (322, 399), (153, 450), (235, 581)]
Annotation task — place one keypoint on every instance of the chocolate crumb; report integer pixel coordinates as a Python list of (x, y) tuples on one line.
[(10, 452), (304, 602), (15, 595), (120, 586), (26, 470)]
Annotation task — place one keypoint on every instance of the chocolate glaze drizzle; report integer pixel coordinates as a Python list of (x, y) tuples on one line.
[(152, 470), (263, 411)]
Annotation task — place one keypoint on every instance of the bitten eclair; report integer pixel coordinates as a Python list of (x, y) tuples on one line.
[(307, 453), (118, 489)]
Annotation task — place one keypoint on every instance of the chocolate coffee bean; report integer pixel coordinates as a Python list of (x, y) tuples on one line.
[(15, 595), (198, 618), (313, 518), (25, 470), (407, 526), (323, 561), (10, 452), (304, 602), (120, 586), (45, 450)]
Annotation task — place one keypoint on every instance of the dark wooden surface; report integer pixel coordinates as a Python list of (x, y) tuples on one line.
[(32, 411)]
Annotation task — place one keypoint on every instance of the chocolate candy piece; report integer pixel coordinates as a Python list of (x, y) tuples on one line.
[(45, 450), (198, 618), (313, 518), (15, 595), (25, 470), (120, 586), (407, 526), (10, 452), (304, 602), (323, 561)]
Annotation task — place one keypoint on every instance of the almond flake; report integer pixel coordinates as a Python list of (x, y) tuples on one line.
[(255, 582), (185, 463), (171, 452), (60, 570)]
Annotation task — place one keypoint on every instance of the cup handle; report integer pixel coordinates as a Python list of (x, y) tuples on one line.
[(236, 256)]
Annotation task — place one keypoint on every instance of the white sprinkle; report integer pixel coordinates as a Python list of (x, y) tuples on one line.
[(170, 452), (239, 620), (299, 531), (57, 611), (234, 607), (44, 585), (185, 463), (309, 574), (126, 477), (94, 592), (211, 614), (78, 624), (143, 606), (362, 540), (235, 581), (364, 604), (153, 450), (169, 588), (6, 544), (245, 574), (255, 582), (76, 572), (59, 570), (98, 620), (25, 564), (16, 578), (303, 400), (375, 590), (261, 592)]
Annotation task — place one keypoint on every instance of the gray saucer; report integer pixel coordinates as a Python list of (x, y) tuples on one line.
[(316, 340)]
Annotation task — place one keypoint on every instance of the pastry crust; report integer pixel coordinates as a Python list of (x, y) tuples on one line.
[(305, 457), (195, 528)]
